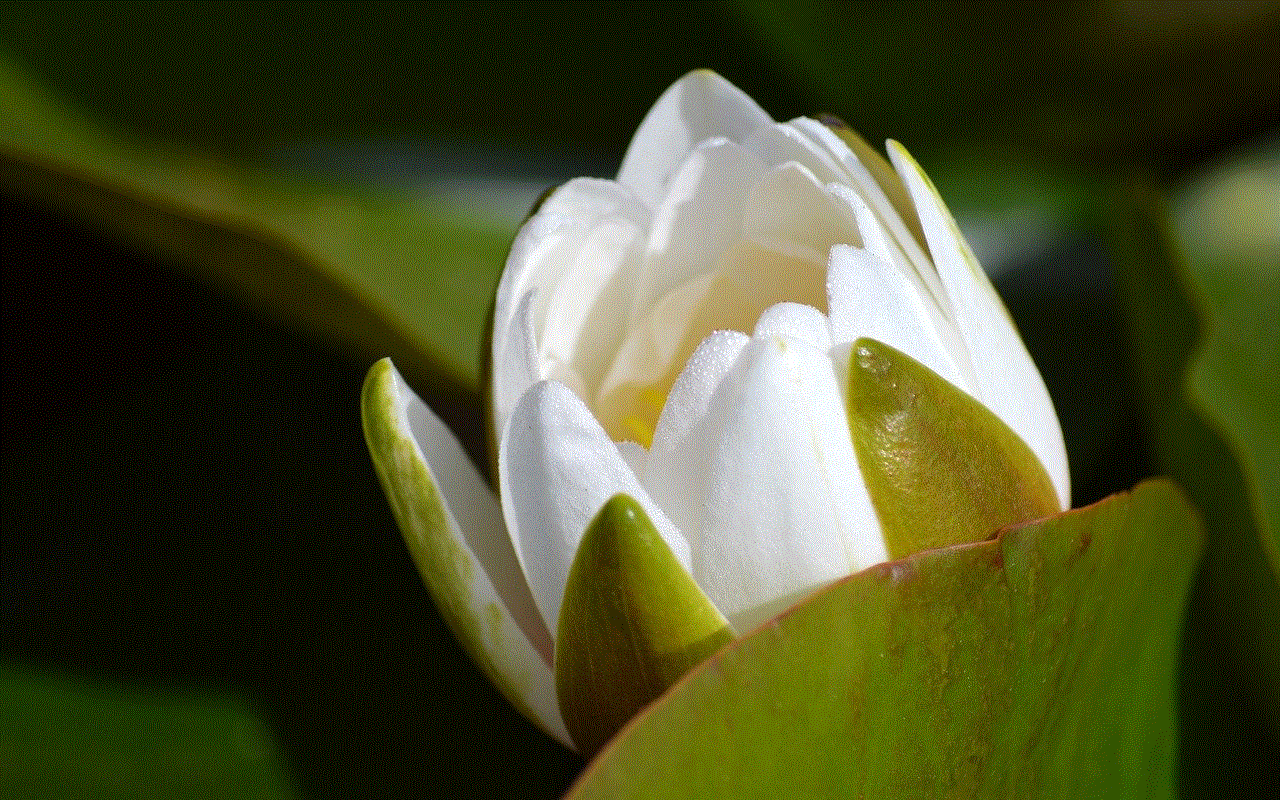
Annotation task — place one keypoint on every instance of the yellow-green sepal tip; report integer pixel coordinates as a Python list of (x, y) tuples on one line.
[(632, 623)]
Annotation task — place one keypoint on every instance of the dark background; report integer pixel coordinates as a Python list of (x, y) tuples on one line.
[(187, 497)]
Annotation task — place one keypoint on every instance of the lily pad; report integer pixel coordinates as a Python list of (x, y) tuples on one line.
[(1040, 663)]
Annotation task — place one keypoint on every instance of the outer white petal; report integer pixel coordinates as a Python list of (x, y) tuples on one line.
[(868, 297), (557, 467), (1008, 382), (777, 502), (456, 534), (699, 106)]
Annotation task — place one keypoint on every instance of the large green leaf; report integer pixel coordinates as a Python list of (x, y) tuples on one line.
[(391, 273), (1037, 664), (1190, 346), (62, 737), (1228, 227)]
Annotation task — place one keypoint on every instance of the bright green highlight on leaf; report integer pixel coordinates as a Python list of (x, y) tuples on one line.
[(632, 623), (1039, 664), (941, 469)]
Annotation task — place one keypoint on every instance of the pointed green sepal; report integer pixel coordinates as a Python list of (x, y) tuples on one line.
[(941, 469), (632, 622)]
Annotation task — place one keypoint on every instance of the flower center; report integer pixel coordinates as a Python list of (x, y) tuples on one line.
[(749, 279)]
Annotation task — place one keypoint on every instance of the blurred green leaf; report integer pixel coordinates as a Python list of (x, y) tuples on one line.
[(1041, 78), (1037, 664), (390, 273), (68, 738), (1203, 333), (1228, 227)]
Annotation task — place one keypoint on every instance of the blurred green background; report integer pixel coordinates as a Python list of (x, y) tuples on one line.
[(195, 547)]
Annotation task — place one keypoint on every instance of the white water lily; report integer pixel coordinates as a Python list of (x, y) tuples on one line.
[(682, 335)]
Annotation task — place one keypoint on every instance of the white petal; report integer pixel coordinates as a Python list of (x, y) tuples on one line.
[(868, 297), (790, 211), (546, 246), (455, 531), (637, 457), (698, 219), (557, 467), (748, 279), (798, 321), (1008, 382), (699, 106), (515, 361), (776, 502), (782, 143), (672, 458), (884, 249), (588, 310), (860, 178), (548, 253)]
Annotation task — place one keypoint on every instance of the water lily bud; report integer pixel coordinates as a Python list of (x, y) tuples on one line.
[(761, 359)]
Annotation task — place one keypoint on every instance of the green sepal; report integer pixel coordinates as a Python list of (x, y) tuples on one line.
[(632, 623), (941, 469)]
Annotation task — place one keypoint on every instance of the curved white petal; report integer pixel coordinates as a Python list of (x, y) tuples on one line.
[(699, 106), (748, 279), (790, 211), (1008, 382), (798, 321), (857, 175), (778, 505), (697, 220), (515, 362), (781, 143), (557, 467), (560, 246), (672, 458), (455, 532), (587, 313), (868, 297), (546, 246)]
